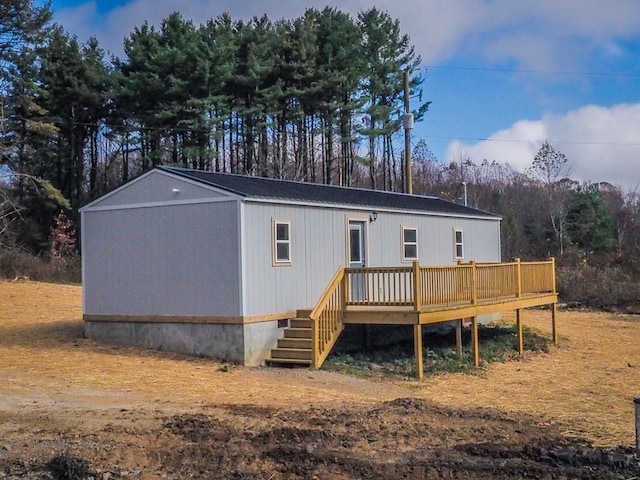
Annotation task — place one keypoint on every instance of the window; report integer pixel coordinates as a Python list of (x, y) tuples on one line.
[(459, 251), (281, 242), (409, 243)]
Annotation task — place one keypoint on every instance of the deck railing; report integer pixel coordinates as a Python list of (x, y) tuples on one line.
[(424, 287), (380, 286), (327, 316), (420, 288)]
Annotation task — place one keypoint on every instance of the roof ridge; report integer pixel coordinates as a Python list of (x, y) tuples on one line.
[(318, 193), (297, 182)]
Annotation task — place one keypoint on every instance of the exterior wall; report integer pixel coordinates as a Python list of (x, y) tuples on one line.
[(163, 260), (481, 239), (224, 342), (319, 247), (156, 187)]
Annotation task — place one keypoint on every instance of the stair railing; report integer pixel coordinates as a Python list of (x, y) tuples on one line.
[(327, 317)]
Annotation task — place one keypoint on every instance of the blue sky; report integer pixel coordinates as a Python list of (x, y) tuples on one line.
[(502, 75)]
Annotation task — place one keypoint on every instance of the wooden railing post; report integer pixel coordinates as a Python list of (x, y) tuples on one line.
[(518, 278), (345, 291), (474, 283), (315, 339), (417, 287), (553, 274)]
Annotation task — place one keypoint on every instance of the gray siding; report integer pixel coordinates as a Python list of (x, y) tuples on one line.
[(156, 187), (169, 260), (481, 239), (317, 248), (318, 237)]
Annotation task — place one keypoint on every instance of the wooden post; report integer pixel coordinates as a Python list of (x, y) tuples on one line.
[(553, 275), (417, 346), (417, 287), (474, 283), (519, 278), (345, 290), (519, 328), (553, 323), (459, 325), (315, 342), (475, 344)]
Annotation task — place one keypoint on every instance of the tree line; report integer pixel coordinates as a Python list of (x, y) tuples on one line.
[(317, 98), (287, 98)]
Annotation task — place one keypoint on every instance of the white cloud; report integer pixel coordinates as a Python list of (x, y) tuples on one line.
[(601, 144), (540, 34)]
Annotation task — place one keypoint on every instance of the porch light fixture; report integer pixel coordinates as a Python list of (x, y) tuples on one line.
[(373, 216), (175, 190)]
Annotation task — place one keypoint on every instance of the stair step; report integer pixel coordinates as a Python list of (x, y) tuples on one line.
[(287, 362), (294, 343), (300, 323), (297, 333), (291, 353), (304, 312)]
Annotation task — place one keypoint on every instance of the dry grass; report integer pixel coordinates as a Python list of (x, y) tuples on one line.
[(586, 385)]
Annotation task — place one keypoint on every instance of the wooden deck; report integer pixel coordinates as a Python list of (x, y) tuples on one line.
[(424, 295)]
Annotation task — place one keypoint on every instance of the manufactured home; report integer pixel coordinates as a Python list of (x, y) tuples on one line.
[(217, 264)]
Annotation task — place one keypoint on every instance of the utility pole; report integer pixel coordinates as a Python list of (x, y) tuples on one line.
[(408, 125)]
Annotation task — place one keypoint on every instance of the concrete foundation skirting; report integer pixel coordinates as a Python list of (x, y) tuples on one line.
[(242, 343), (224, 342)]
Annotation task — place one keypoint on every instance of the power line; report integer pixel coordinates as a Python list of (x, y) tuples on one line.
[(533, 71), (516, 140)]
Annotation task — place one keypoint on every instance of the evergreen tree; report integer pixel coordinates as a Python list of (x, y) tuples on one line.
[(388, 54), (590, 227), (22, 27)]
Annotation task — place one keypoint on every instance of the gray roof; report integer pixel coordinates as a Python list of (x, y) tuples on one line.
[(303, 192)]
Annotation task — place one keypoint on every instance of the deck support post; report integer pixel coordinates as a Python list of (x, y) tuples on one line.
[(459, 325), (475, 344), (553, 323), (417, 346), (519, 333)]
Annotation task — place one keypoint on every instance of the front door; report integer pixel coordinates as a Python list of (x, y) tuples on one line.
[(357, 259)]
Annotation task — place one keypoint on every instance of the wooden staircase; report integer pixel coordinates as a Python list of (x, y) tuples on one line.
[(295, 348)]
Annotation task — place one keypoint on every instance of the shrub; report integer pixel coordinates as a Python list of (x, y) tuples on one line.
[(598, 287), (17, 263)]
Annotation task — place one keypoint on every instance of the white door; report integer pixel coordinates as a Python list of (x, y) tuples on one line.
[(357, 259), (356, 244)]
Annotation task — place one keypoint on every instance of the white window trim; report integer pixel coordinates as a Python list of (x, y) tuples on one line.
[(456, 244), (275, 222), (403, 244)]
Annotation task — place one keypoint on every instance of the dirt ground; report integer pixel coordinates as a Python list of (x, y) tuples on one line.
[(71, 406)]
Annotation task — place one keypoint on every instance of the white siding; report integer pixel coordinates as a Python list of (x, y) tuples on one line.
[(170, 260)]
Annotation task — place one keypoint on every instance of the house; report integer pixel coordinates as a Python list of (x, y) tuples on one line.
[(215, 264)]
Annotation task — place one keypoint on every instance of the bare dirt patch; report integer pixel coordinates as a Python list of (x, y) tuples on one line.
[(131, 413)]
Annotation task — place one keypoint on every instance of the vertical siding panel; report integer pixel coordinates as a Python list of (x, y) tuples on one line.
[(185, 259)]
